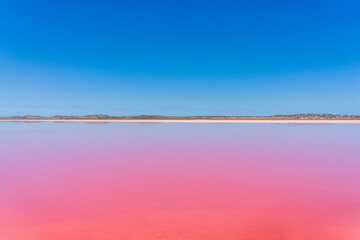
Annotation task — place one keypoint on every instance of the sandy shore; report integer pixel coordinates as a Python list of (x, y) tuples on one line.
[(187, 121)]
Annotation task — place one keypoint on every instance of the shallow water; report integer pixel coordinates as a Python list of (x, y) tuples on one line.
[(179, 181)]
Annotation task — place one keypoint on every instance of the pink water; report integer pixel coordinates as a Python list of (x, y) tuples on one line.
[(177, 181)]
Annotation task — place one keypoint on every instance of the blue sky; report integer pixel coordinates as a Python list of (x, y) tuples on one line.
[(179, 57)]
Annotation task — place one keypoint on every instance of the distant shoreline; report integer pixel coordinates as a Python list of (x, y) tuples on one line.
[(98, 118), (299, 121)]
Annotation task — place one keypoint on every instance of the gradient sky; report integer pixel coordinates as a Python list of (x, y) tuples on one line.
[(179, 57)]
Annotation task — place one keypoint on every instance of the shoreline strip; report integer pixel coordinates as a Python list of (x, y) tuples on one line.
[(185, 121)]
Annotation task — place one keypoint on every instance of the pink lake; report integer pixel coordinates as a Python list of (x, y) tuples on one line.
[(172, 181)]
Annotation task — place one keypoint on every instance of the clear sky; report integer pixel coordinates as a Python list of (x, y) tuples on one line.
[(179, 57)]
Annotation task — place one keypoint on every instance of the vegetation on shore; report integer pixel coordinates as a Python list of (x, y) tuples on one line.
[(311, 116)]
